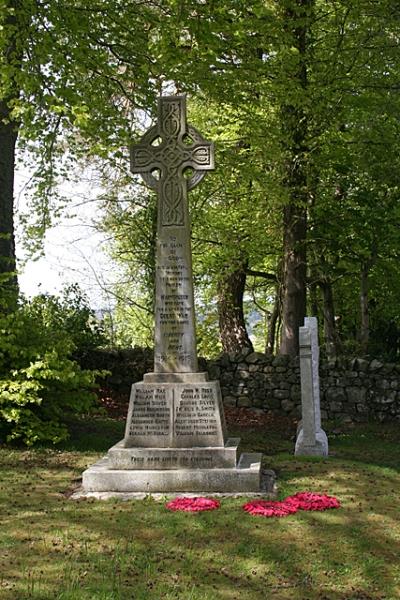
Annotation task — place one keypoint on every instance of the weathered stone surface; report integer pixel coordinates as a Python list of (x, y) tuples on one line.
[(230, 400), (214, 372), (281, 394), (287, 405), (244, 401), (257, 402), (173, 458), (360, 386), (255, 357), (362, 364), (335, 406), (281, 360), (375, 365), (383, 384), (388, 399), (175, 431), (335, 395), (243, 478), (311, 439), (295, 393), (243, 374), (271, 403), (265, 378), (284, 385)]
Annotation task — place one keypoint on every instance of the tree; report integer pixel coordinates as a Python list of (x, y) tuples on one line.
[(10, 55), (353, 220), (71, 76), (288, 79)]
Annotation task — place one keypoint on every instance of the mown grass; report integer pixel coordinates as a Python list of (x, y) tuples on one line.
[(53, 548)]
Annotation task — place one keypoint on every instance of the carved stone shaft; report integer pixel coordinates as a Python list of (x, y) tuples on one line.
[(167, 153)]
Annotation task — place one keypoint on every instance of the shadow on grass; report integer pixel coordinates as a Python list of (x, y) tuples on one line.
[(92, 434)]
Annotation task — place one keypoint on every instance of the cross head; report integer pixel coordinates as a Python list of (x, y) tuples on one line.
[(166, 152)]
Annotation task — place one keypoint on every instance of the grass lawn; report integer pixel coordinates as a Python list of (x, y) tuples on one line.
[(54, 548)]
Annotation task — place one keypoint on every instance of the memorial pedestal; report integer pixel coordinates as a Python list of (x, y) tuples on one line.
[(175, 441), (243, 478)]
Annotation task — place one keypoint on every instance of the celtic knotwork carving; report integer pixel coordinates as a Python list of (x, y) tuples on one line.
[(171, 158), (170, 118), (172, 207)]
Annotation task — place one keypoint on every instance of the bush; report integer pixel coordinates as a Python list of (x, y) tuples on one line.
[(41, 385)]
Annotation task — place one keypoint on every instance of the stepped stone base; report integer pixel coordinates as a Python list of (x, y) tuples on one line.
[(245, 477), (173, 458)]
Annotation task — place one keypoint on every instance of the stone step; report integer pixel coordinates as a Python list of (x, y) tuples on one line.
[(243, 478), (174, 458)]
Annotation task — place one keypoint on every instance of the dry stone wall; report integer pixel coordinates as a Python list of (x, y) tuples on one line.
[(351, 389), (355, 389)]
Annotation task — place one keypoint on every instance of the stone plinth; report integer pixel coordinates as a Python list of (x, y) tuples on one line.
[(174, 458), (175, 441), (245, 477)]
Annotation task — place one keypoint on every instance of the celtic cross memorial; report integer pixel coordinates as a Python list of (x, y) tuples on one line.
[(175, 436), (173, 158)]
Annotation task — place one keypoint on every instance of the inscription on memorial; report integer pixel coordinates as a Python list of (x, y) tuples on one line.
[(175, 415), (171, 461), (174, 310), (151, 414), (195, 412), (196, 416)]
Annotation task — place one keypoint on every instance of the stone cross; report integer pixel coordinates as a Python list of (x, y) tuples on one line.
[(175, 436), (311, 439), (173, 158)]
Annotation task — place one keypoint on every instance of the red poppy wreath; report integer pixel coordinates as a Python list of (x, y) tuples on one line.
[(196, 504), (291, 504), (271, 508), (312, 501)]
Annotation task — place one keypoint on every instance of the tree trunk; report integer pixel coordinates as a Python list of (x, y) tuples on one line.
[(364, 308), (8, 276), (272, 324), (295, 132), (294, 286), (8, 137), (332, 342), (232, 326), (314, 305)]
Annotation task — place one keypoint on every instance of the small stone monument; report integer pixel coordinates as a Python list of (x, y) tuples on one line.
[(311, 438), (175, 437)]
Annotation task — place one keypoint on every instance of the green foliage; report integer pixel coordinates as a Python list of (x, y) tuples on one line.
[(130, 224), (70, 77), (76, 81), (40, 383), (208, 340)]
